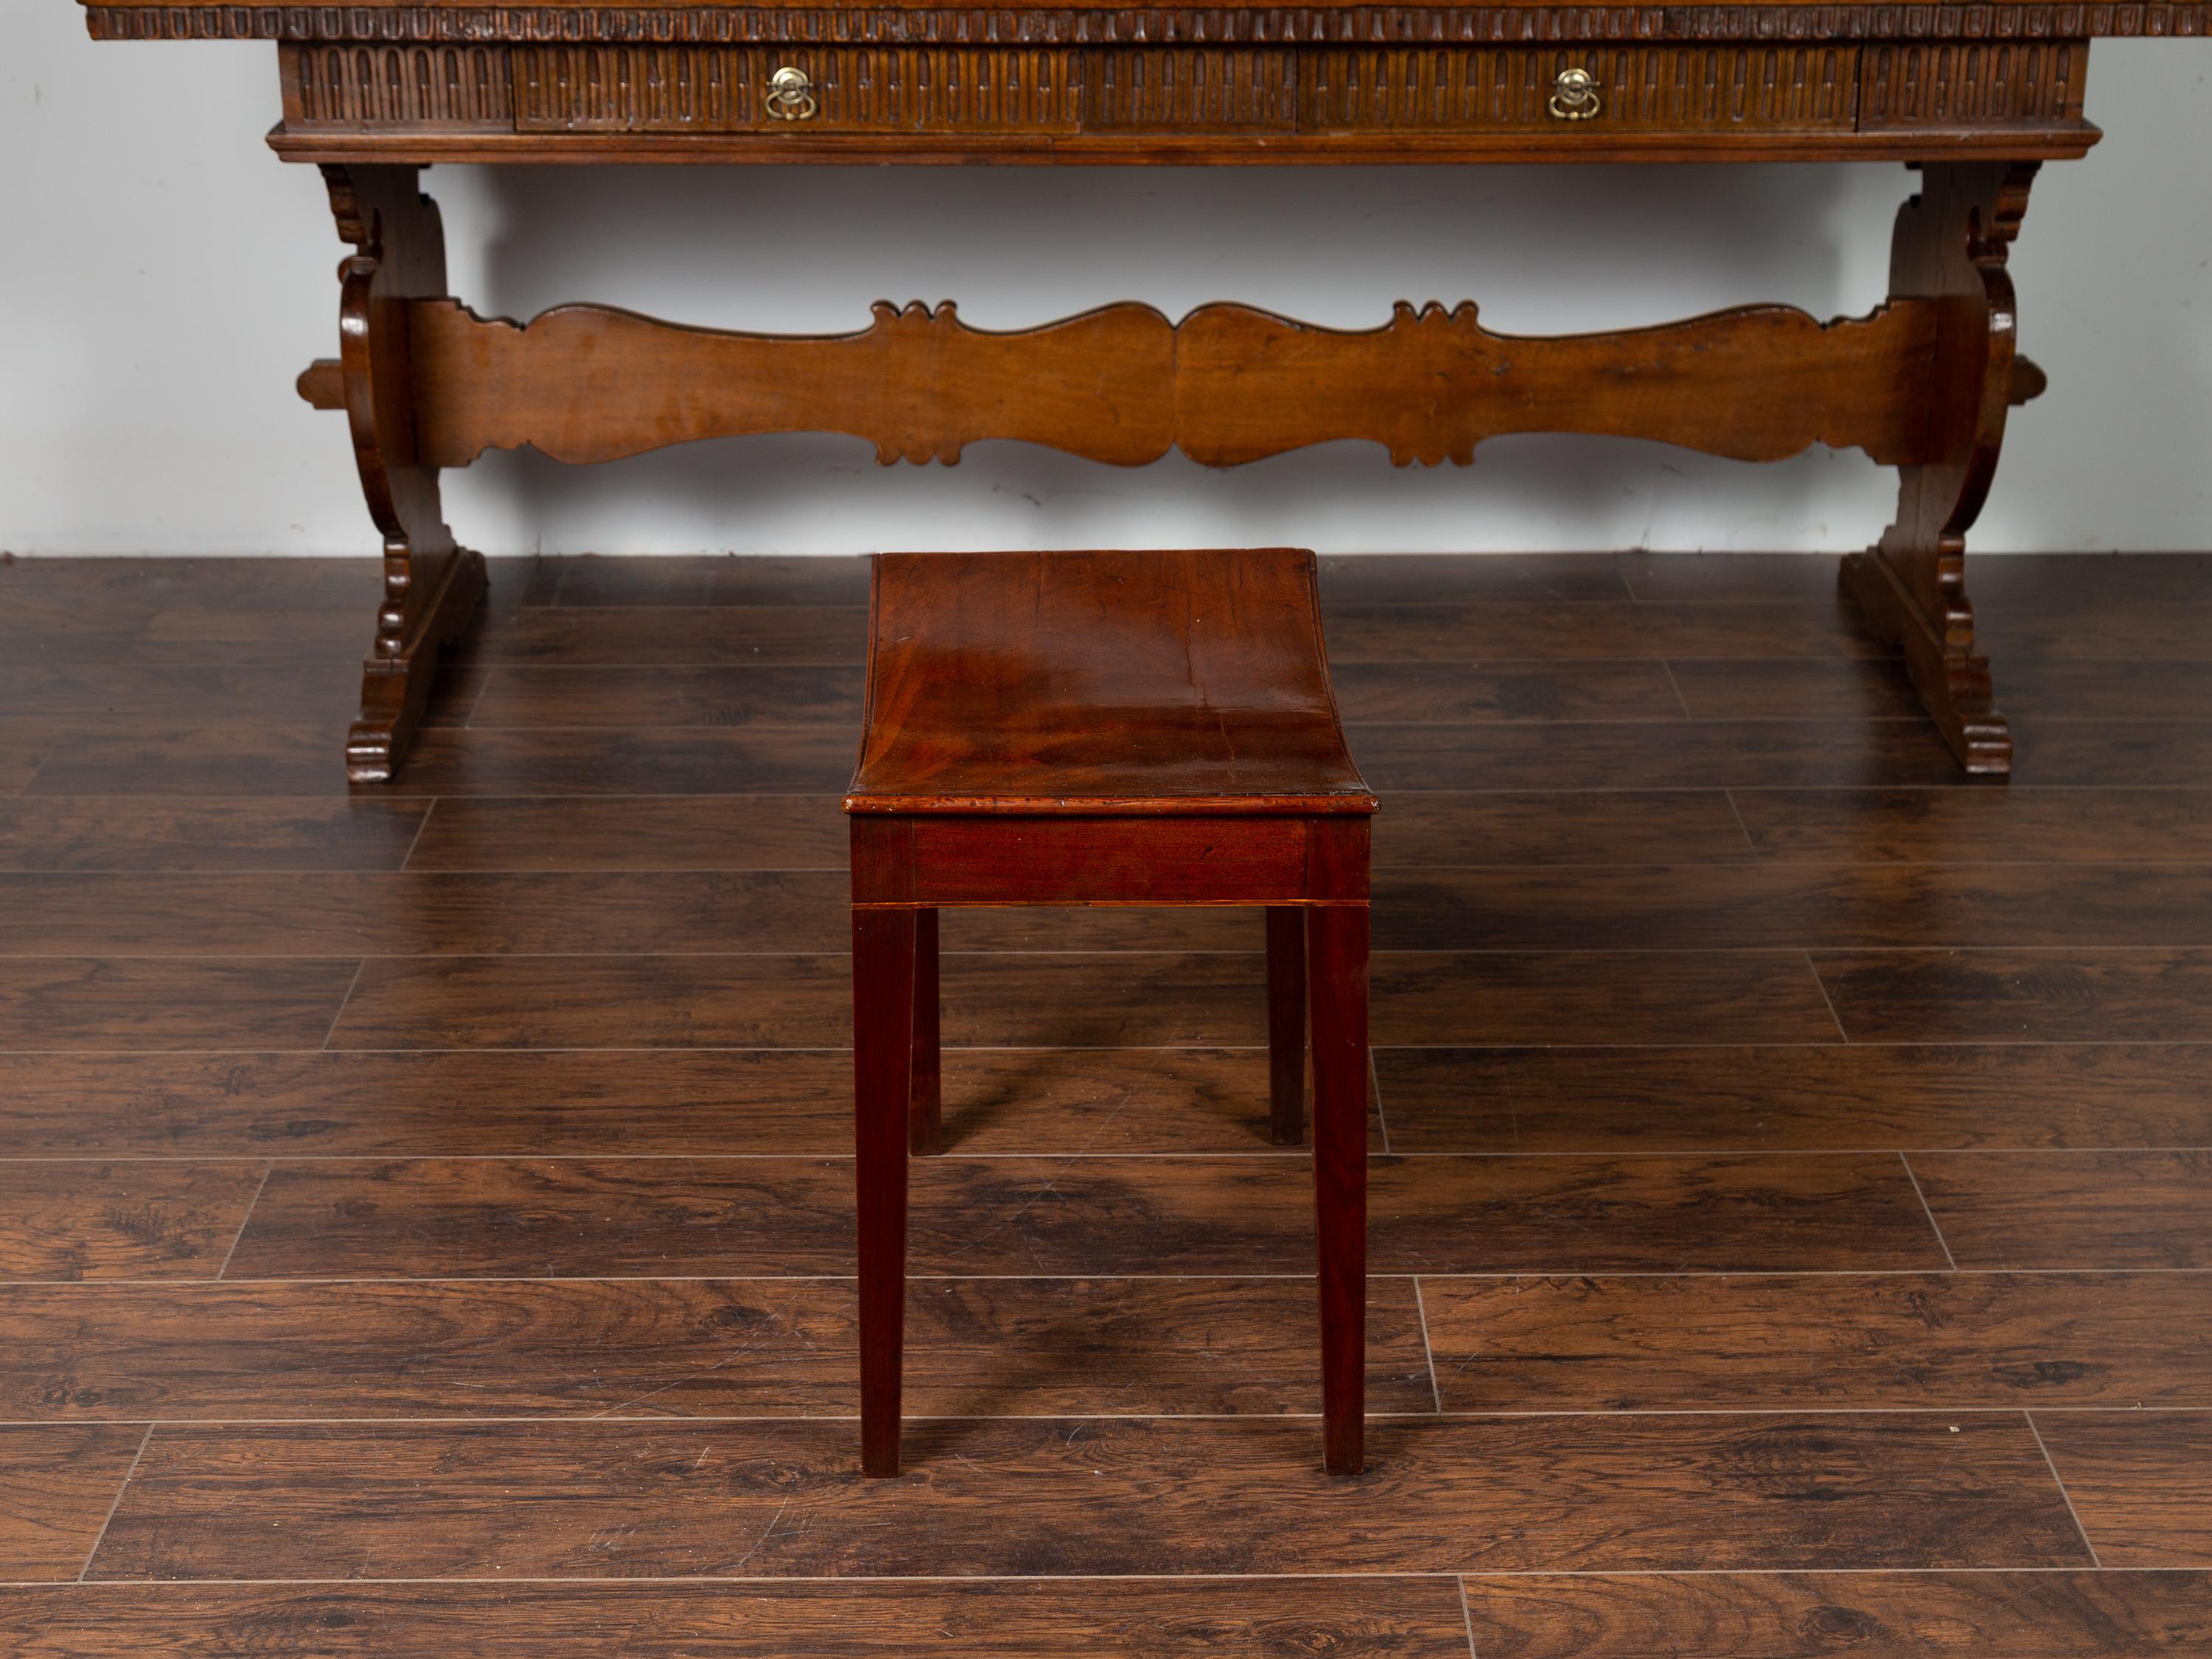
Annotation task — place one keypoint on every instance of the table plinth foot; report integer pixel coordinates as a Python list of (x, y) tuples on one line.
[(395, 687)]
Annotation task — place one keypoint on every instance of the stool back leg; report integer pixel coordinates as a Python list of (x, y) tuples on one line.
[(1286, 1023), (1336, 941), (883, 1061), (924, 1118)]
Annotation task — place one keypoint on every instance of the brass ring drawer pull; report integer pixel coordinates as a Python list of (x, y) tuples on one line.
[(790, 94), (1574, 95)]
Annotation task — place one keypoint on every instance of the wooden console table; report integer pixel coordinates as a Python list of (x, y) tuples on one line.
[(1976, 96)]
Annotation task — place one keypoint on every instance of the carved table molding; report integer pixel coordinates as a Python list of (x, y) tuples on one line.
[(1975, 96)]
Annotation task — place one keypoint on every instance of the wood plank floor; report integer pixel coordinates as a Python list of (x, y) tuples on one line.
[(425, 1218)]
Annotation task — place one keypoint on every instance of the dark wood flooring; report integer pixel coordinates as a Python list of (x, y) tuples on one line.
[(424, 1213)]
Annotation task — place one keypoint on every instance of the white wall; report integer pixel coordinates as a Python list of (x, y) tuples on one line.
[(163, 276)]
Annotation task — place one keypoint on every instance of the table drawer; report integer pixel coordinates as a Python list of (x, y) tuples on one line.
[(674, 89), (1628, 88)]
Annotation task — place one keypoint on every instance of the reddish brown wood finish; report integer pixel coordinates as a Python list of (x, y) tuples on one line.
[(1286, 1023), (1145, 683), (1104, 729), (1227, 384)]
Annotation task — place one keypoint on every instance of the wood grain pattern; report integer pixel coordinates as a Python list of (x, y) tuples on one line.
[(330, 913), (1888, 1342), (64, 833), (1949, 825), (1806, 1097), (2043, 689), (1442, 827), (1748, 688), (1142, 684), (523, 696), (1449, 693), (172, 759), (122, 1220), (1160, 1496), (1570, 997), (1657, 755), (2074, 1209), (1132, 998), (1427, 578), (2034, 1615), (1705, 1219), (696, 760), (2105, 753), (88, 1002), (57, 1485), (627, 636), (716, 1102), (1822, 628), (585, 383), (1226, 385), (757, 832), (1413, 1618), (1753, 907), (1090, 1215), (691, 579), (2020, 995), (117, 687), (2138, 1481), (680, 1348)]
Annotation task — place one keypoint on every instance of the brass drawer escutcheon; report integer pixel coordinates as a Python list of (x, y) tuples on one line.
[(1574, 96), (790, 94)]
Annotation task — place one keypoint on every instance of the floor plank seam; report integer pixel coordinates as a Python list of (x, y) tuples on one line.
[(2051, 1463), (1675, 686), (1814, 968), (1428, 1348), (415, 841), (1467, 1615), (1375, 1095), (1751, 841), (361, 967), (245, 1221), (108, 1520), (1928, 1209)]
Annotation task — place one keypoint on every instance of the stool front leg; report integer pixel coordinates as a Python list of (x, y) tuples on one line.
[(883, 1059), (1287, 1024), (1336, 945)]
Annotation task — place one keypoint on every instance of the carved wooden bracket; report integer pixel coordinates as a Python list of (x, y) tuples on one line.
[(1123, 385), (431, 586), (1949, 250)]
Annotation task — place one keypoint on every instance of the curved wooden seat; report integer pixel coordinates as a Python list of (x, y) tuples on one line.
[(1107, 728), (1123, 683)]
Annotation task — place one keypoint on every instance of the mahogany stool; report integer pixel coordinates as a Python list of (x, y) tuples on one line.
[(1143, 728)]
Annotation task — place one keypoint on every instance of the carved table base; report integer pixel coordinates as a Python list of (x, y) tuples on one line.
[(1922, 384)]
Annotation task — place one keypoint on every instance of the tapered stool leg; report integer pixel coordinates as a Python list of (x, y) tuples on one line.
[(883, 1059), (1336, 940), (1286, 1023), (925, 1116)]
